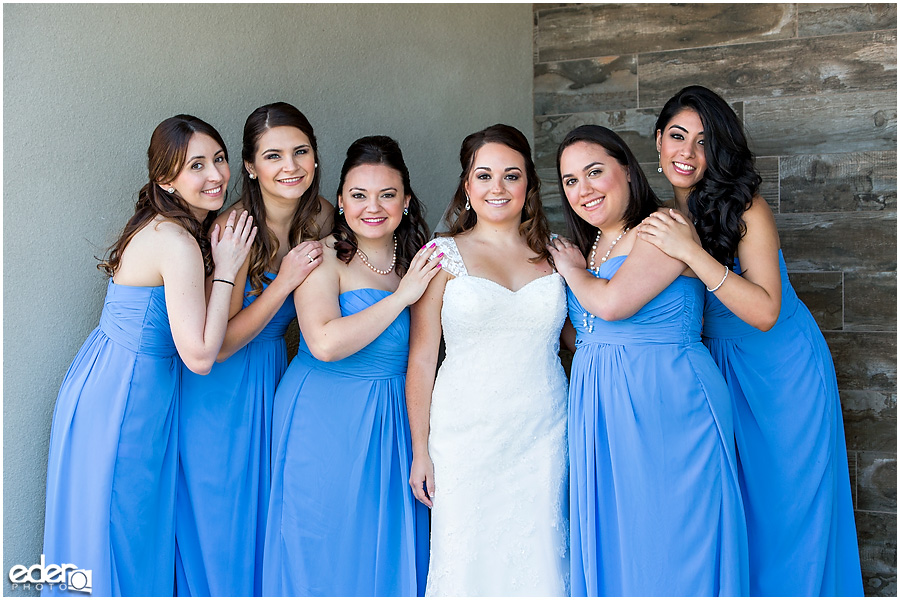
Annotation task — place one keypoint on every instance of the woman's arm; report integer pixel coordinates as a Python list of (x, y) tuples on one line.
[(331, 336), (198, 326), (245, 324), (755, 295), (424, 345), (645, 273)]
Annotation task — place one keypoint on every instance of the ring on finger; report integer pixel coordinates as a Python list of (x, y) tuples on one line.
[(311, 259)]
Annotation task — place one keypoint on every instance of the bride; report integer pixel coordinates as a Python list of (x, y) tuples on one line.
[(489, 433)]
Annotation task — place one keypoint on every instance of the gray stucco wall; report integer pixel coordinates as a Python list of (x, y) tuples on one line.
[(84, 86)]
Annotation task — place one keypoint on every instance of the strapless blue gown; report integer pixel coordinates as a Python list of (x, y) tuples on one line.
[(113, 452), (343, 520), (793, 455), (223, 478), (655, 506)]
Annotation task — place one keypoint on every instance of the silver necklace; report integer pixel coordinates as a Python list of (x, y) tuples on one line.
[(362, 257), (592, 267)]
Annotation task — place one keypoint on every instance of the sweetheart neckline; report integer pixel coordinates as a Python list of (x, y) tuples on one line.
[(500, 285)]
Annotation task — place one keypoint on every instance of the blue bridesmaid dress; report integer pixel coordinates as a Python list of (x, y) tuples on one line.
[(343, 520), (655, 506), (225, 432), (113, 452), (792, 452)]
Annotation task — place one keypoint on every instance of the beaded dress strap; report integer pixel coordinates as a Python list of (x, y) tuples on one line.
[(451, 261)]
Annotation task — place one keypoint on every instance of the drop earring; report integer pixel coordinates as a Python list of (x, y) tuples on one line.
[(659, 160), (468, 204), (341, 210), (406, 211)]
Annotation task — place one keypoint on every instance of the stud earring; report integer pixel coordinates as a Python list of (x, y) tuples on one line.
[(468, 204), (659, 168), (171, 190), (252, 176), (317, 166)]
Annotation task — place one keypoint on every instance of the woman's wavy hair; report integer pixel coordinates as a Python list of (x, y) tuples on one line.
[(412, 233), (166, 157), (641, 199), (303, 222), (534, 225), (730, 181)]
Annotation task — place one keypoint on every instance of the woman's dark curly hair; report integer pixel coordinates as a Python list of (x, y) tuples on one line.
[(718, 201), (166, 157), (534, 225), (412, 233), (642, 201), (303, 222)]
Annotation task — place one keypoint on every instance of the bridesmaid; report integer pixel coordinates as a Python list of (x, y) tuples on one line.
[(112, 467), (655, 506), (788, 423), (226, 416), (342, 521)]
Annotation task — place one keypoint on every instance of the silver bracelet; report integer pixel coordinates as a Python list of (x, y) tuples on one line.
[(724, 277)]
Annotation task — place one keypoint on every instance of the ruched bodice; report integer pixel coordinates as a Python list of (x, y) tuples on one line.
[(384, 358), (136, 318), (719, 322), (672, 317), (276, 328)]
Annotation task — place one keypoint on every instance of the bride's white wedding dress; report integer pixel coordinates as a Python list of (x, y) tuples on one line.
[(498, 439)]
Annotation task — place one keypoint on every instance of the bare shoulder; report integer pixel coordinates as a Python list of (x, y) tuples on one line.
[(759, 216), (330, 261)]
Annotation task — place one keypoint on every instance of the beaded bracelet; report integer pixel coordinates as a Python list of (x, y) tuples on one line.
[(724, 277), (231, 283)]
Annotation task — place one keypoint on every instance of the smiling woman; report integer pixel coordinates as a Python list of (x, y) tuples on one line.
[(342, 521), (489, 433), (223, 495), (112, 467)]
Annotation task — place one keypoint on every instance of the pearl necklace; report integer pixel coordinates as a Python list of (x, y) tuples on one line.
[(596, 269), (362, 257)]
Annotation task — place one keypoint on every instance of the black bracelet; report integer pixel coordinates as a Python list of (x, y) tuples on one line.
[(231, 283)]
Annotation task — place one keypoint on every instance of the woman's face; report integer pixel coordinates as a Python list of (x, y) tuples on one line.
[(373, 200), (284, 164), (497, 183), (596, 185), (681, 152), (203, 177)]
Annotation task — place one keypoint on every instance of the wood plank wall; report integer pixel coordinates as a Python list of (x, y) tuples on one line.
[(816, 86)]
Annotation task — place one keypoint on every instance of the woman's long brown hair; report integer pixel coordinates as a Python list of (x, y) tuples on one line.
[(165, 160)]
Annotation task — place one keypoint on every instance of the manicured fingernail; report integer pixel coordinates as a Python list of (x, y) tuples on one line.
[(434, 244), (439, 265), (440, 255)]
